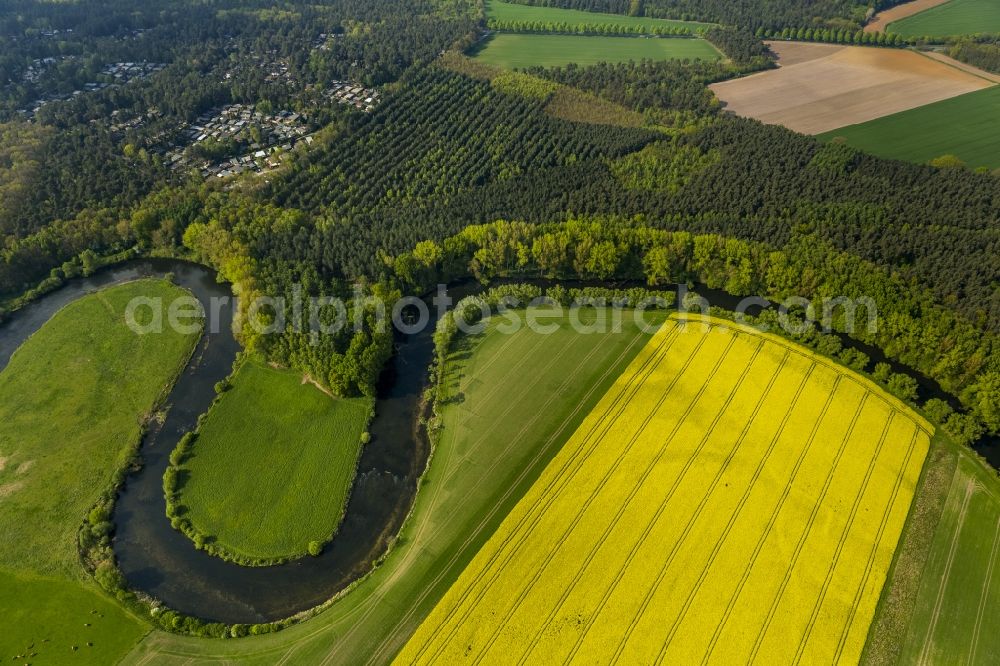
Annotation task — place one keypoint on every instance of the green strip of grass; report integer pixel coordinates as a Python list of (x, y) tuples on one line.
[(52, 621), (963, 126), (272, 467), (509, 11), (522, 51), (72, 403), (958, 17), (514, 400)]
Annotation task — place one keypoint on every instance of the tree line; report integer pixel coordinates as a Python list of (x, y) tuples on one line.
[(911, 328)]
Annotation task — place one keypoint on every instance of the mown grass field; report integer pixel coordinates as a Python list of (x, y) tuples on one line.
[(948, 612), (731, 498), (72, 401), (958, 17), (515, 399), (522, 51), (964, 126), (509, 11), (273, 465)]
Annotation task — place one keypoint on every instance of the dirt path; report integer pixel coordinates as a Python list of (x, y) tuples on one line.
[(948, 60), (881, 21)]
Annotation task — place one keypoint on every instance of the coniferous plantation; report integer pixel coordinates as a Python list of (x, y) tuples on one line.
[(701, 483)]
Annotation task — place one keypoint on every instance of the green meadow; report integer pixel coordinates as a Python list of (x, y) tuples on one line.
[(73, 401), (273, 465), (964, 126), (509, 11), (943, 593), (522, 51), (958, 17)]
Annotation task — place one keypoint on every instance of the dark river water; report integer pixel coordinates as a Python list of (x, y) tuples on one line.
[(164, 563)]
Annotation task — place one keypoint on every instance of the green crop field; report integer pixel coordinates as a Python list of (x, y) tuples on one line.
[(273, 465), (514, 400), (958, 17), (509, 11), (72, 401), (964, 126), (522, 51), (946, 585)]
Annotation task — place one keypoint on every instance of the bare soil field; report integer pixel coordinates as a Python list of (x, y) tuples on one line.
[(820, 87), (881, 21)]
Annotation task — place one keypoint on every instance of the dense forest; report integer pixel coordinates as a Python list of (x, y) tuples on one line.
[(455, 143)]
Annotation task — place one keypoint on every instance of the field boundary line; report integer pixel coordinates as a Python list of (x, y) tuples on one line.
[(656, 516), (984, 595), (534, 461), (648, 366), (850, 525), (942, 586), (739, 507), (827, 483), (773, 519), (618, 404), (608, 475), (682, 538)]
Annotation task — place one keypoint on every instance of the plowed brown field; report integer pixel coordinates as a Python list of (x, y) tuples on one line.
[(821, 87)]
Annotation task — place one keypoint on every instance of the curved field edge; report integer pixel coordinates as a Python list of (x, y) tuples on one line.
[(267, 476), (477, 620), (546, 383), (74, 402)]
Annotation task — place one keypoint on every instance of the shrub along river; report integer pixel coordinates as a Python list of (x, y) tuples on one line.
[(162, 562)]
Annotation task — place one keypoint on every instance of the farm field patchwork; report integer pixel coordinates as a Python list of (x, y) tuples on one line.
[(509, 11), (482, 465), (684, 520), (955, 17), (72, 402), (523, 51), (820, 88), (273, 465), (963, 126)]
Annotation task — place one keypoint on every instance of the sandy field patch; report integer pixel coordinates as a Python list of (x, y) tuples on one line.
[(882, 20), (819, 88)]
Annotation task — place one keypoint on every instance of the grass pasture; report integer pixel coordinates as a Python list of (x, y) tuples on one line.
[(273, 465), (953, 18), (523, 51), (510, 11), (514, 400), (822, 87), (731, 498), (72, 402), (964, 126), (956, 588), (44, 619)]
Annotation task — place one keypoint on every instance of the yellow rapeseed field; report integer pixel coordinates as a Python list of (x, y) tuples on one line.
[(732, 499)]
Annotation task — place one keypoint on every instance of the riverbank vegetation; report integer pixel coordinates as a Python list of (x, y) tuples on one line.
[(74, 401), (267, 477)]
